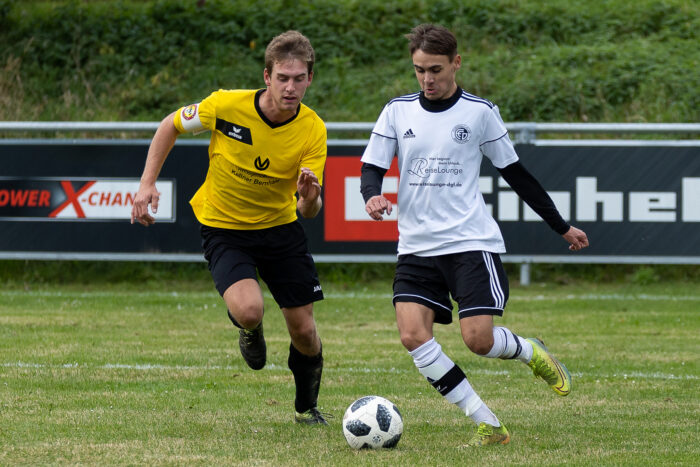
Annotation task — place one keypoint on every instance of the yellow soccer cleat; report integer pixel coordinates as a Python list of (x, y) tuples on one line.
[(545, 366), (488, 434)]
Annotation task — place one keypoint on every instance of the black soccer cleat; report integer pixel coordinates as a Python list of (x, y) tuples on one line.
[(253, 348)]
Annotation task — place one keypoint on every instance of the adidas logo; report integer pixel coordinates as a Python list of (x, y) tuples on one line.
[(409, 134), (317, 288)]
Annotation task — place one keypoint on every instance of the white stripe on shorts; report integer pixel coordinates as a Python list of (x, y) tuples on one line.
[(426, 299), (496, 290)]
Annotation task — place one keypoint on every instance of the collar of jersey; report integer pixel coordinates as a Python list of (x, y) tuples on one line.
[(270, 123), (439, 105)]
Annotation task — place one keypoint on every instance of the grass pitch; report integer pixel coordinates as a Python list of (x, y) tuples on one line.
[(152, 376)]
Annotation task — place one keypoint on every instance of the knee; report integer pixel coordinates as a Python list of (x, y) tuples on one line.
[(248, 316), (304, 334), (480, 344), (412, 340)]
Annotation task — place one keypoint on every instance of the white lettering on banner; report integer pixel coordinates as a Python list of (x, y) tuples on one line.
[(509, 202), (113, 199), (508, 206), (562, 200), (691, 199), (652, 207), (354, 206), (644, 206), (486, 186), (588, 197)]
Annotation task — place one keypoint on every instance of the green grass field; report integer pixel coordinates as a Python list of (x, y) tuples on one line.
[(151, 375)]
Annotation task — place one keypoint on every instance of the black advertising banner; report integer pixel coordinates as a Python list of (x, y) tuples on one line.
[(84, 193), (632, 201), (636, 200)]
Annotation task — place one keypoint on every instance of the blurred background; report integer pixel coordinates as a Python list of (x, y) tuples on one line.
[(611, 61)]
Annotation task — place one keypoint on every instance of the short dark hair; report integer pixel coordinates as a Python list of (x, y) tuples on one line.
[(289, 45), (432, 39)]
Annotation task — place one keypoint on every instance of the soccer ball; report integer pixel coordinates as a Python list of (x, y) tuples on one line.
[(372, 422)]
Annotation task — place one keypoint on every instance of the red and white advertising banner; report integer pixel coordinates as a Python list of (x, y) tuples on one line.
[(78, 198), (345, 216)]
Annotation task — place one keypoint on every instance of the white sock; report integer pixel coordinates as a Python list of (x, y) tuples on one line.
[(449, 380), (507, 344)]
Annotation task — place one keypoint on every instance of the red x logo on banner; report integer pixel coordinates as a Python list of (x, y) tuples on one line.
[(72, 198)]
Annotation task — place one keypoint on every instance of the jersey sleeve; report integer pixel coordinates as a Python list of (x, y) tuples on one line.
[(495, 143), (315, 157), (196, 117), (382, 143)]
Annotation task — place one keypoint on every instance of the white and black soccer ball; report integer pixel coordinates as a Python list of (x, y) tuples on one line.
[(372, 422)]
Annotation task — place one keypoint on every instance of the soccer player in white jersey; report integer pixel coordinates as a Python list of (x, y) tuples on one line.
[(449, 244)]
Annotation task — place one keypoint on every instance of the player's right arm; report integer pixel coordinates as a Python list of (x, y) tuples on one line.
[(163, 141), (371, 188), (375, 162), (192, 118)]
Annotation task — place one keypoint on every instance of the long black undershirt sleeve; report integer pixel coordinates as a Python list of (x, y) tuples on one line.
[(530, 190), (371, 181)]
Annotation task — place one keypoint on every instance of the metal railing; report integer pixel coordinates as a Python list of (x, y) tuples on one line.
[(521, 132)]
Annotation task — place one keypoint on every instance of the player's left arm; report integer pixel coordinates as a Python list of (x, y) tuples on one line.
[(530, 190), (497, 146)]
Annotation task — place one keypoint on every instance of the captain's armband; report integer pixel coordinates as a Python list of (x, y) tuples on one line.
[(188, 119)]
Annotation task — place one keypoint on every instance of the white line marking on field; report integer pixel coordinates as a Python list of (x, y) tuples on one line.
[(272, 366)]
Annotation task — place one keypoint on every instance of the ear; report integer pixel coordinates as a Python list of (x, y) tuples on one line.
[(266, 77), (457, 62), (311, 76)]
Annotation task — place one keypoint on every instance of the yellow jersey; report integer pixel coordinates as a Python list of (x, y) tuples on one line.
[(254, 164)]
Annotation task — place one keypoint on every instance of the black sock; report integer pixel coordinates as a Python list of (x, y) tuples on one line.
[(307, 378)]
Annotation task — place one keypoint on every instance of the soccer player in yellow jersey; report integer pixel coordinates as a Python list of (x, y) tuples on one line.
[(265, 147)]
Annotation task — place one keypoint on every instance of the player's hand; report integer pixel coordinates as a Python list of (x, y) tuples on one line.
[(139, 212), (577, 238), (378, 205), (308, 186)]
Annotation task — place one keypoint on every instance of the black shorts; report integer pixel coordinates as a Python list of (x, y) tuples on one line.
[(475, 279), (279, 254)]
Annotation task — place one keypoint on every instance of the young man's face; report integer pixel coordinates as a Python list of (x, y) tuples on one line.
[(436, 74), (287, 84)]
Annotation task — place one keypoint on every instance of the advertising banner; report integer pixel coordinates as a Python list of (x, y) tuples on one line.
[(79, 198), (632, 200)]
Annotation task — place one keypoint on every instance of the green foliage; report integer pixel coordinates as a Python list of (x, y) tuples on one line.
[(645, 276), (640, 274), (348, 276), (539, 60), (32, 274)]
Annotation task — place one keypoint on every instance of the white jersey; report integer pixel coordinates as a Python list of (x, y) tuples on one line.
[(440, 207)]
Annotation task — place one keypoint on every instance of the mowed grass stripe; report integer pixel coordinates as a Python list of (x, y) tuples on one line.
[(274, 367)]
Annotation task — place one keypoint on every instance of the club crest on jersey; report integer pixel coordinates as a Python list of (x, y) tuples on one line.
[(461, 133), (189, 112), (260, 164)]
